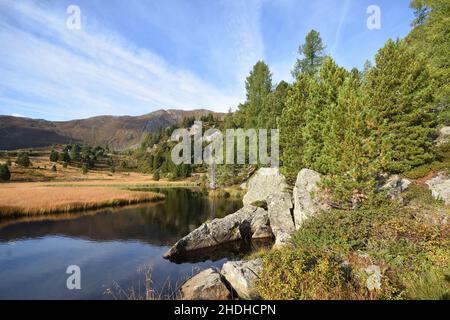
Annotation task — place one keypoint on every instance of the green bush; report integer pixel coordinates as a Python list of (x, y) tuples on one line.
[(331, 250), (5, 175), (84, 168), (54, 168), (54, 156), (156, 175), (23, 160)]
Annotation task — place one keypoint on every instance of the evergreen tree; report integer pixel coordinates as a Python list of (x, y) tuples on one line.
[(291, 124), (430, 39), (349, 156), (5, 174), (54, 156), (273, 106), (258, 85), (322, 98), (313, 53), (64, 156), (23, 160), (401, 93)]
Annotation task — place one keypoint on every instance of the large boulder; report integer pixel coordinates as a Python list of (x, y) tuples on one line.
[(242, 276), (281, 221), (206, 285), (440, 187), (242, 225), (307, 201), (265, 182)]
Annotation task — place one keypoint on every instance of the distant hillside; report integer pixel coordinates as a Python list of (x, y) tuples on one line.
[(117, 133)]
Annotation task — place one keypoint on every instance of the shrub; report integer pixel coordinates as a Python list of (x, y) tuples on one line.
[(5, 175), (54, 156), (84, 168), (23, 160), (156, 175), (331, 251), (54, 168), (8, 163), (64, 156), (65, 165)]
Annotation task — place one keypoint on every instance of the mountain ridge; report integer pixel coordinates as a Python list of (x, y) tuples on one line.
[(115, 132)]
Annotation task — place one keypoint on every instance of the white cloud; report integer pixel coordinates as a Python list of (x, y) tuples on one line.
[(62, 73)]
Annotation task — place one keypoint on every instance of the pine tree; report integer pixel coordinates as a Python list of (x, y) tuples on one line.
[(313, 53), (5, 174), (430, 38), (258, 85), (322, 98), (401, 93), (54, 156), (273, 106), (290, 125), (23, 160), (349, 147)]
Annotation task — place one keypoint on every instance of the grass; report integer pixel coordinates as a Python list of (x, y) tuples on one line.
[(29, 199), (410, 243)]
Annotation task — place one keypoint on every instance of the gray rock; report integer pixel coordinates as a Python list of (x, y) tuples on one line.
[(206, 285), (260, 225), (444, 136), (394, 186), (306, 200), (242, 224), (242, 276), (279, 206), (265, 182), (373, 281), (440, 188)]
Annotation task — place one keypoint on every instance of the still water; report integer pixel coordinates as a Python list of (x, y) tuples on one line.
[(114, 249)]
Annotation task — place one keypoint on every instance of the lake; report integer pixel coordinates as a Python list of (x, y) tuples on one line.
[(114, 249)]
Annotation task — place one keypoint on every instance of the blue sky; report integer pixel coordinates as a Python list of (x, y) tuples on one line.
[(136, 56)]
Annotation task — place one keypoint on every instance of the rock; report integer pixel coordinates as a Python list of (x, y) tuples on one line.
[(265, 182), (306, 198), (279, 206), (444, 136), (242, 276), (394, 186), (206, 285), (260, 225), (440, 187), (241, 225), (373, 281), (243, 185)]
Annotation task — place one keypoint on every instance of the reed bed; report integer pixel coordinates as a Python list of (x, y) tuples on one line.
[(26, 200)]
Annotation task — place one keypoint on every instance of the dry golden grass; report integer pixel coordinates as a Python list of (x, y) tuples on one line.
[(22, 199)]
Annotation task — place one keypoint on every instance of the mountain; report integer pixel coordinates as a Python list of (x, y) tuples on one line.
[(115, 132)]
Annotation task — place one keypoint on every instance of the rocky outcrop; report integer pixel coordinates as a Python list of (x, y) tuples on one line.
[(265, 182), (281, 222), (248, 222), (206, 285), (394, 186), (307, 201), (242, 276), (440, 188), (444, 136)]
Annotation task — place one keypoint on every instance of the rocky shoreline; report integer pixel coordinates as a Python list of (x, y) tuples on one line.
[(270, 212)]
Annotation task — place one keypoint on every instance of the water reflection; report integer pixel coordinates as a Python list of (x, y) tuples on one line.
[(109, 246)]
